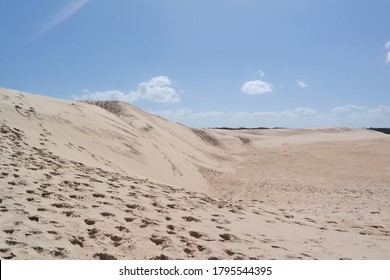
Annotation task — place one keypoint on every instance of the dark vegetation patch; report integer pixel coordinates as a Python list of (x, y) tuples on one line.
[(114, 107), (104, 256), (244, 140), (246, 128), (206, 137), (380, 129)]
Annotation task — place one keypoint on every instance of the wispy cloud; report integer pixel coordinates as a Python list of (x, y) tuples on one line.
[(260, 73), (256, 87), (62, 15), (348, 115), (387, 46), (303, 116), (157, 89), (302, 84), (348, 109)]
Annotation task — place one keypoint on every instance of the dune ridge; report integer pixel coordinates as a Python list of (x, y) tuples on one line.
[(106, 180)]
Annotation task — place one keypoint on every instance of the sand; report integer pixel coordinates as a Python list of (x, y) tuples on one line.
[(106, 180)]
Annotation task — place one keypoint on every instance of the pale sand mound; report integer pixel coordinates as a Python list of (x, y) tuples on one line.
[(105, 180)]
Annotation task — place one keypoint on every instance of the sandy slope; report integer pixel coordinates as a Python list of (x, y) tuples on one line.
[(103, 180)]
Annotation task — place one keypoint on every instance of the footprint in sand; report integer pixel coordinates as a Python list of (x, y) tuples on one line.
[(16, 244), (229, 252), (196, 234), (191, 219), (104, 256), (375, 226), (278, 247), (71, 214), (146, 222), (171, 227), (89, 222), (161, 257), (220, 221), (189, 252), (77, 241), (9, 231), (310, 220), (107, 214), (9, 257), (116, 238), (62, 205), (93, 233), (78, 197), (223, 228), (307, 255), (38, 249), (122, 228), (160, 240), (129, 219), (34, 218), (135, 207), (226, 237)]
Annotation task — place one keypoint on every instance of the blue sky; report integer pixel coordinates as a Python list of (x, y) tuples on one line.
[(207, 63)]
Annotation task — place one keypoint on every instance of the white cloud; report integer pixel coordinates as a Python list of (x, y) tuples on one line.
[(302, 116), (108, 95), (305, 111), (360, 116), (387, 46), (348, 115), (186, 113), (302, 84), (157, 89), (257, 87), (347, 109), (62, 15), (212, 114), (385, 110), (261, 73)]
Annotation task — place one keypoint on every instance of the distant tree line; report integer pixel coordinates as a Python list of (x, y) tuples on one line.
[(380, 129), (245, 128)]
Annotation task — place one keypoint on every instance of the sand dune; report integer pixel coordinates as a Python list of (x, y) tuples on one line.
[(106, 180)]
